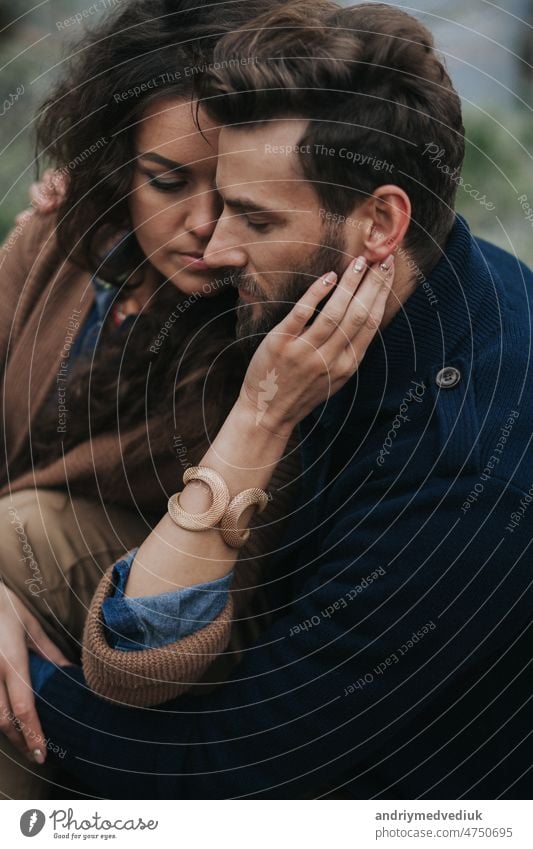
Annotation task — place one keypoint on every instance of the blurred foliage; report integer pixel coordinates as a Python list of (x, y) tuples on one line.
[(498, 164), (27, 48)]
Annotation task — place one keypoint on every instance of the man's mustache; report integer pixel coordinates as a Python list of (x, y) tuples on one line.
[(247, 282)]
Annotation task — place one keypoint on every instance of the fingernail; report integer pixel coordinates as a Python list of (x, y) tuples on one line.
[(387, 263), (330, 278), (38, 756), (359, 264)]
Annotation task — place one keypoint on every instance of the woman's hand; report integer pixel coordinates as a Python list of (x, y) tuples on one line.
[(45, 196), (298, 366), (20, 630)]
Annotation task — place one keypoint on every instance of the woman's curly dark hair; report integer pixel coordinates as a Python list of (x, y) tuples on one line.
[(154, 48)]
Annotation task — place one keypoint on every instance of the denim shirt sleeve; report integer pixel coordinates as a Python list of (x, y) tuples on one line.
[(132, 624)]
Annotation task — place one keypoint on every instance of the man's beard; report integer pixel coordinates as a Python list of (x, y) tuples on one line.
[(250, 329)]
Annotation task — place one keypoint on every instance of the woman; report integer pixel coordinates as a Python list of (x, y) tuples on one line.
[(117, 361), (146, 264)]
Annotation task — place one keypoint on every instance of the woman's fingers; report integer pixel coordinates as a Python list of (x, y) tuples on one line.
[(48, 194), (354, 306), (45, 196), (365, 311), (56, 180), (22, 217), (363, 334), (22, 701), (8, 723), (327, 322), (43, 199), (49, 175), (18, 715), (305, 308), (54, 187)]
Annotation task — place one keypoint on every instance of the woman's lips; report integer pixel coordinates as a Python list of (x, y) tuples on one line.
[(194, 263)]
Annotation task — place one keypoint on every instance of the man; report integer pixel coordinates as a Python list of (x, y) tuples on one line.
[(401, 669)]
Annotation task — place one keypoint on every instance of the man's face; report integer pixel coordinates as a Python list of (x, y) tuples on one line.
[(273, 231)]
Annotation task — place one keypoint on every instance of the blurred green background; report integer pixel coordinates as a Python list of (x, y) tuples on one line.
[(488, 50)]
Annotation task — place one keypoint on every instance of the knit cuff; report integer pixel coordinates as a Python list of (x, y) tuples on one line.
[(151, 676)]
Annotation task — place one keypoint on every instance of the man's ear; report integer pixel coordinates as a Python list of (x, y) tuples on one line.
[(386, 216)]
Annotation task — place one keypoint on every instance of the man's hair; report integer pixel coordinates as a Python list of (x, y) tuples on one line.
[(376, 95)]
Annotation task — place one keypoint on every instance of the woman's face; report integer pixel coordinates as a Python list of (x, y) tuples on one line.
[(174, 205)]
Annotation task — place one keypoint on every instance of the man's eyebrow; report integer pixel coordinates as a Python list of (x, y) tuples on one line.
[(162, 160), (245, 205)]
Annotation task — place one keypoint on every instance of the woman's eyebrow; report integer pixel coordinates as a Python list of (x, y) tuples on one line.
[(161, 160)]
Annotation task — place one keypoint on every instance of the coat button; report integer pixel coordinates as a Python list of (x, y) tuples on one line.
[(448, 377)]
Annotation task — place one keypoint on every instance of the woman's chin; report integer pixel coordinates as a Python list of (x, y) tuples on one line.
[(197, 283), (190, 280)]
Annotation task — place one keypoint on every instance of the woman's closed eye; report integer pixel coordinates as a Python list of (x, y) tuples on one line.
[(163, 182)]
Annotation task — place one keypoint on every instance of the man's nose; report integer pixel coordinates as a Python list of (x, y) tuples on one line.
[(223, 251)]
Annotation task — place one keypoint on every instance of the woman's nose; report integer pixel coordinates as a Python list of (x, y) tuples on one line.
[(203, 217)]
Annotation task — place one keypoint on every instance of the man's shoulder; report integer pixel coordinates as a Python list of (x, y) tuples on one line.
[(512, 280), (480, 424), (503, 261)]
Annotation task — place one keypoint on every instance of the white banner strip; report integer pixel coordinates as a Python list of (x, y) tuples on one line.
[(268, 824)]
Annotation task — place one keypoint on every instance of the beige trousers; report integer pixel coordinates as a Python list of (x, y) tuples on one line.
[(53, 552)]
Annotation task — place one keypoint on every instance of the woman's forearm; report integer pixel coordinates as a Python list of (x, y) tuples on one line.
[(245, 454), (309, 362)]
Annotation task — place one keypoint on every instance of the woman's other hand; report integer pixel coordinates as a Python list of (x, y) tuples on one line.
[(20, 631), (45, 196)]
